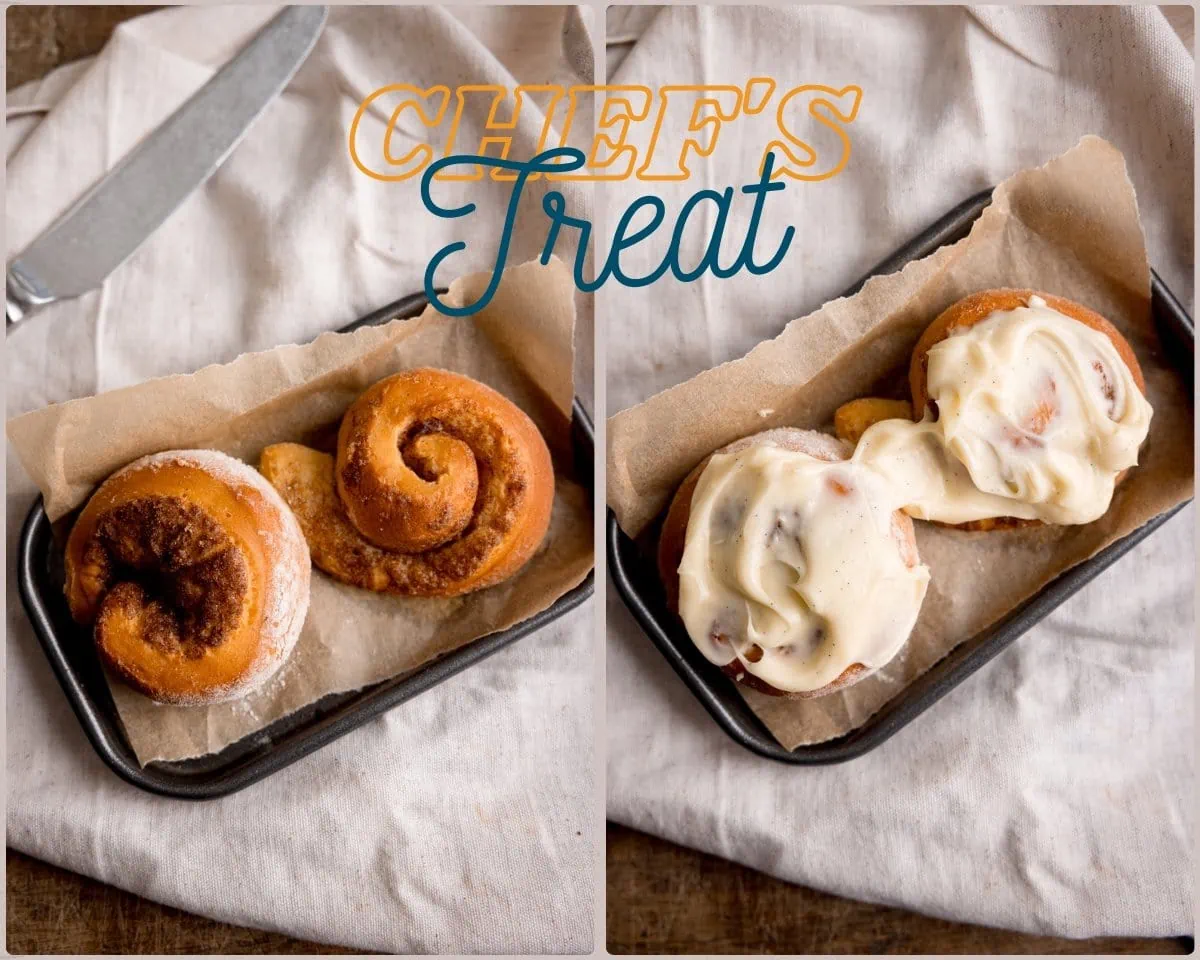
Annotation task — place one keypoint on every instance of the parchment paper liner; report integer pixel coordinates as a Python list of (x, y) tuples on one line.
[(1071, 228), (521, 345)]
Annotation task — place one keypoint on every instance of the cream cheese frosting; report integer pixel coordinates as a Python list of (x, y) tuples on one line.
[(792, 567), (1037, 416)]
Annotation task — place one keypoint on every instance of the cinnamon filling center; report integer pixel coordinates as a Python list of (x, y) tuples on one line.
[(170, 572)]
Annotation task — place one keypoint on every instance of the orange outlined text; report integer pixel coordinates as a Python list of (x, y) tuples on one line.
[(640, 133)]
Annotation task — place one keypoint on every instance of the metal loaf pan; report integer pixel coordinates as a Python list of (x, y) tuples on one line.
[(633, 569), (71, 653)]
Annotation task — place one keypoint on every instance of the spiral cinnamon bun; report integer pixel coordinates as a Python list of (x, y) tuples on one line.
[(194, 574), (440, 486)]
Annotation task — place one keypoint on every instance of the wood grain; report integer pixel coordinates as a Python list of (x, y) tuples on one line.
[(38, 39), (54, 911), (665, 899)]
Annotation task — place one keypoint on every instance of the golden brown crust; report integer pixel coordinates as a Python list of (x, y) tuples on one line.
[(673, 538), (978, 307), (441, 486), (851, 420), (193, 573)]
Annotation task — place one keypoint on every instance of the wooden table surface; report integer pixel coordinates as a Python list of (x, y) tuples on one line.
[(661, 898)]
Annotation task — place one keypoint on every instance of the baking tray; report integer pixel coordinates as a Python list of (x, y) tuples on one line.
[(631, 565), (71, 653)]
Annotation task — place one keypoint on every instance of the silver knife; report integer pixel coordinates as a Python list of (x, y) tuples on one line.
[(112, 220)]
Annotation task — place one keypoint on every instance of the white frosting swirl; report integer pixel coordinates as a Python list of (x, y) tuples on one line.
[(1037, 415), (791, 566)]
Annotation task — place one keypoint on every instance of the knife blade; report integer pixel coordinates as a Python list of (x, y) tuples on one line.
[(112, 219)]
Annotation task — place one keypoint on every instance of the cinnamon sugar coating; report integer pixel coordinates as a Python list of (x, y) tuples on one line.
[(200, 578), (194, 574)]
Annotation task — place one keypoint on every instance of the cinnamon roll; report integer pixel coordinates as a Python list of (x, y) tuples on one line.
[(789, 566), (193, 573), (1032, 408), (440, 486)]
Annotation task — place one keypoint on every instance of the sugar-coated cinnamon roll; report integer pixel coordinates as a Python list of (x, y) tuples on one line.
[(440, 486), (194, 573), (789, 566), (1031, 409)]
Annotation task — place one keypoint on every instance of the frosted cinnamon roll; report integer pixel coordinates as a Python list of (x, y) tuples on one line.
[(1031, 407), (789, 565)]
